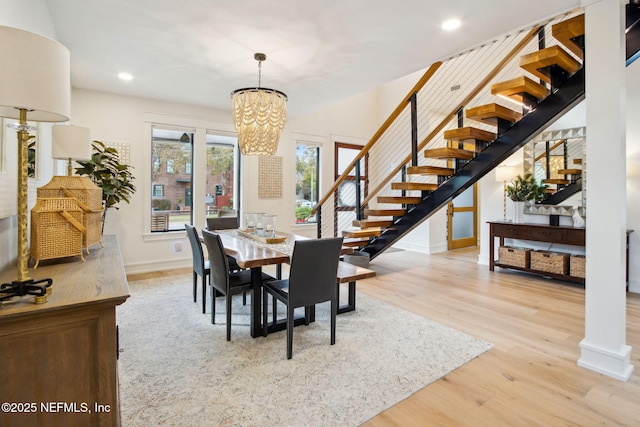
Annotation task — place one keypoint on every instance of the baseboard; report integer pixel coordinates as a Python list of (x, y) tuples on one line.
[(634, 286), (613, 364), (423, 249), (148, 267)]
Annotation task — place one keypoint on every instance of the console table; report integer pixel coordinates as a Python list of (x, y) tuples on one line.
[(535, 232), (540, 233), (59, 359)]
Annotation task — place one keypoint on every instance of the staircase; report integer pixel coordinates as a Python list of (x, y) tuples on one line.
[(473, 151)]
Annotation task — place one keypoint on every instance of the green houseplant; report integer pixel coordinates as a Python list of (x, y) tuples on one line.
[(107, 172), (525, 188)]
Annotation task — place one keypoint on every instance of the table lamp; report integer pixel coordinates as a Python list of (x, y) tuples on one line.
[(35, 85), (505, 173), (71, 143)]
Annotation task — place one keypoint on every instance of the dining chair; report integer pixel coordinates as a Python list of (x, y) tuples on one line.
[(312, 280), (225, 223), (200, 265), (222, 280)]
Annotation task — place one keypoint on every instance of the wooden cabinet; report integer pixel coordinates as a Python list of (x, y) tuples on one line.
[(59, 359)]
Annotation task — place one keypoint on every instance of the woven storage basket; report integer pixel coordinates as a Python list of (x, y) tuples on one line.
[(89, 198), (550, 262), (516, 257), (577, 264), (52, 234)]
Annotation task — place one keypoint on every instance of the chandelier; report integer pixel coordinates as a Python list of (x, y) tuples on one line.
[(259, 115)]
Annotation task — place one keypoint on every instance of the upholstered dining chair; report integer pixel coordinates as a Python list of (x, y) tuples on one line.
[(222, 280), (200, 265), (312, 280), (225, 223)]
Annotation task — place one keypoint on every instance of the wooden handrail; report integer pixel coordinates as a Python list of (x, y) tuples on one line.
[(454, 112), (394, 115), (556, 145)]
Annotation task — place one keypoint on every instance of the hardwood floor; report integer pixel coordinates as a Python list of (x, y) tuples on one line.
[(530, 376)]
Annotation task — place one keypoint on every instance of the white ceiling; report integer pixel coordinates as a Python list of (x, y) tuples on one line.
[(318, 52)]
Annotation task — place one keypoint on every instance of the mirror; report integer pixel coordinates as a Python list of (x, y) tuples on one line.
[(557, 158)]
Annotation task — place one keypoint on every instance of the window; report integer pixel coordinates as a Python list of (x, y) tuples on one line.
[(158, 190), (171, 152), (307, 167), (221, 175)]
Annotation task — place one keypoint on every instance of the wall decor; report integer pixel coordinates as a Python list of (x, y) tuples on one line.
[(270, 177)]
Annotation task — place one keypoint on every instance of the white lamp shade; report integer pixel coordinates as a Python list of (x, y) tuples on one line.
[(71, 142), (505, 173), (35, 76)]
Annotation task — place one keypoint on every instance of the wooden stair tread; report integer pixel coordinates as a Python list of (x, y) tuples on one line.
[(403, 200), (514, 89), (556, 181), (358, 243), (449, 153), (567, 30), (366, 232), (385, 212), (370, 223), (570, 171), (429, 170), (490, 113), (577, 161), (421, 186), (460, 134), (536, 62)]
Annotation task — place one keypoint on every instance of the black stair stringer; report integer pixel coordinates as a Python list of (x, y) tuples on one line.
[(562, 195), (548, 111)]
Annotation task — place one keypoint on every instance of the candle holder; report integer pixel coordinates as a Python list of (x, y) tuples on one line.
[(259, 231), (269, 222), (250, 222)]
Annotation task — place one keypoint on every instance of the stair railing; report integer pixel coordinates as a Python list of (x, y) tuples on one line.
[(432, 110)]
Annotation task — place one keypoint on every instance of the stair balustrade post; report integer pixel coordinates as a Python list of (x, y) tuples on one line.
[(359, 210), (414, 129), (319, 221)]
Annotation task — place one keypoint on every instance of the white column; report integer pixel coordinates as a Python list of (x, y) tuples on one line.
[(603, 348)]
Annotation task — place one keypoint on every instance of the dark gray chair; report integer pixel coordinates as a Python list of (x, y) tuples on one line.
[(312, 280), (222, 223), (222, 280), (225, 223), (200, 265)]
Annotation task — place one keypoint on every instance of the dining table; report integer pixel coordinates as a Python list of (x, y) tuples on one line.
[(254, 253)]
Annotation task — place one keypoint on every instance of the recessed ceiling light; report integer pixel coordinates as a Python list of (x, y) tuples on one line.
[(125, 76), (451, 24)]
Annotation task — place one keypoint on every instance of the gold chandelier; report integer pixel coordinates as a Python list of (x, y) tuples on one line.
[(259, 115)]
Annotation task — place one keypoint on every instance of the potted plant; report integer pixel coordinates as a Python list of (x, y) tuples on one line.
[(106, 171), (523, 189)]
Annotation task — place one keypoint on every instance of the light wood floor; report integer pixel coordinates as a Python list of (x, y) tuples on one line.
[(530, 376)]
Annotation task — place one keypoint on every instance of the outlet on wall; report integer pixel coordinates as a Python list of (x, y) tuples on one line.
[(177, 246)]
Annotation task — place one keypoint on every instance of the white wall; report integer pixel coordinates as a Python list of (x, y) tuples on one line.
[(633, 173), (121, 119)]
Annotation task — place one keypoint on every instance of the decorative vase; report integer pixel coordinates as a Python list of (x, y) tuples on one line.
[(518, 212), (578, 221)]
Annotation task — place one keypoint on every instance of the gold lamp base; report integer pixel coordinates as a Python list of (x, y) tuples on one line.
[(24, 285)]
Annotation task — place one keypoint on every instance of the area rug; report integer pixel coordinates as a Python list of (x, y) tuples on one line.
[(177, 369)]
